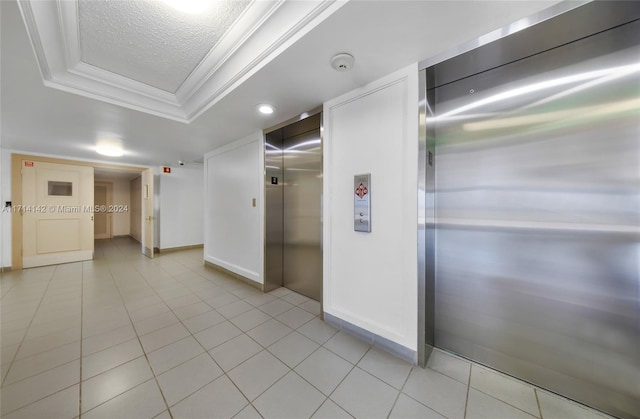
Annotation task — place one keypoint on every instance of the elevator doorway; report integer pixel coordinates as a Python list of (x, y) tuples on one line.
[(293, 177), (531, 177)]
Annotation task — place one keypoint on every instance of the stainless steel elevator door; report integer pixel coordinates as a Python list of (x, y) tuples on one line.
[(293, 216), (538, 219), (274, 222)]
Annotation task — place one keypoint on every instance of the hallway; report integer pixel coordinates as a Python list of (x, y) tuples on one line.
[(124, 336)]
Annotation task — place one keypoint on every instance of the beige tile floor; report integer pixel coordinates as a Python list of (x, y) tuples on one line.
[(124, 336)]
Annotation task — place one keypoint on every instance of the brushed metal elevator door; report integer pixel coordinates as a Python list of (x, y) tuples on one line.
[(293, 216), (273, 210), (538, 219)]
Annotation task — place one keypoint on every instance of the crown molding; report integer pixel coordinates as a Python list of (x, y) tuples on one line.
[(263, 31)]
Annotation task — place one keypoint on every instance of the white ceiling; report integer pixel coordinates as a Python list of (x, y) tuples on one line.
[(383, 36), (147, 41)]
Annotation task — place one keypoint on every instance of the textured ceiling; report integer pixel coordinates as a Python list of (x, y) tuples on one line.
[(384, 36), (149, 41)]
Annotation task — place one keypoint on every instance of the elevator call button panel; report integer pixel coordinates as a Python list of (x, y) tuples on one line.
[(362, 203)]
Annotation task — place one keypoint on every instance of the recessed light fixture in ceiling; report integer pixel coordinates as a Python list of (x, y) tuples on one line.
[(110, 147), (266, 109), (191, 7)]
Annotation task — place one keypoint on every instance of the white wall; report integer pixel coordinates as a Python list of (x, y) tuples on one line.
[(5, 216), (121, 196), (370, 279), (120, 221), (181, 202), (234, 229), (135, 210)]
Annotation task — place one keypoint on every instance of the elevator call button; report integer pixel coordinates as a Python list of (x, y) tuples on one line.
[(362, 203), (274, 180)]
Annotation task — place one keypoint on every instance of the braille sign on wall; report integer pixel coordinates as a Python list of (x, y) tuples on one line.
[(362, 203), (274, 180)]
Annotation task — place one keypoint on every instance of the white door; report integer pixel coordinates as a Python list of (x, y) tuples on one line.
[(102, 198), (147, 213), (57, 213)]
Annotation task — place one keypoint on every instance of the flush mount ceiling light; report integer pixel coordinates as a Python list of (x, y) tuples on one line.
[(110, 147), (191, 7), (342, 62), (266, 109)]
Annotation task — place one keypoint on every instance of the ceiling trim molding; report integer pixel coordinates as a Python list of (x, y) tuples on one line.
[(34, 38), (254, 16), (314, 14), (261, 33)]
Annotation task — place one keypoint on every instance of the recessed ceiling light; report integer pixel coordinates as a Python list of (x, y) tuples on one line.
[(191, 7), (266, 109), (111, 148)]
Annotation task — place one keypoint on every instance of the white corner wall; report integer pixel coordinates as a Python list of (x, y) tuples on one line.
[(180, 207), (234, 229), (121, 220), (370, 279)]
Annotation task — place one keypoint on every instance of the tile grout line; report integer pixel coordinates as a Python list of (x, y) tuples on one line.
[(225, 373), (244, 332), (509, 403), (81, 335), (28, 327), (266, 348), (339, 383), (535, 391), (466, 402), (291, 369), (66, 363), (321, 345), (401, 391), (144, 352)]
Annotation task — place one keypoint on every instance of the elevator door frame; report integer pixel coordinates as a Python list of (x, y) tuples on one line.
[(427, 260), (269, 284), (510, 37)]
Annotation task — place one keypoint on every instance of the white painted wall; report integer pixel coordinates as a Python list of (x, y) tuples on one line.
[(121, 196), (5, 215), (181, 201), (370, 279), (135, 210), (234, 229), (120, 221)]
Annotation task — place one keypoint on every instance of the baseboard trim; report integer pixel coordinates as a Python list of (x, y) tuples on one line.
[(385, 344), (179, 248), (235, 275), (5, 269)]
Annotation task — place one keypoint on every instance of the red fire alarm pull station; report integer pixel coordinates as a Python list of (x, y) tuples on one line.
[(28, 164), (166, 169)]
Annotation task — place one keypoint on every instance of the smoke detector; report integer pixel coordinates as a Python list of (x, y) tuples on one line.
[(342, 62)]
